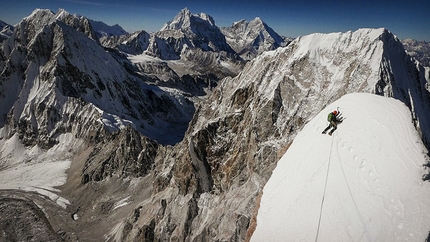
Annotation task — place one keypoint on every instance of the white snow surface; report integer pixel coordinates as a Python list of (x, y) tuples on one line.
[(32, 169), (364, 183)]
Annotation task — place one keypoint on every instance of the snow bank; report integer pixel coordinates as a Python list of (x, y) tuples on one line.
[(362, 184)]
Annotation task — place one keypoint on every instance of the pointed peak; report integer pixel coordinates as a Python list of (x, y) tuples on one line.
[(258, 19), (185, 11), (184, 19)]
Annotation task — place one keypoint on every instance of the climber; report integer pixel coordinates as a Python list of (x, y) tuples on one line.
[(334, 119)]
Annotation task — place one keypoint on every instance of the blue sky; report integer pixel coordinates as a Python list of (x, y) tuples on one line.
[(406, 19)]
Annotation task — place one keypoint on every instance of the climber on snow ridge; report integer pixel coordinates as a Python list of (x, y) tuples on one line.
[(334, 119)]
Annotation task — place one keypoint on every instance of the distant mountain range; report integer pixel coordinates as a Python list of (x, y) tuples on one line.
[(420, 50)]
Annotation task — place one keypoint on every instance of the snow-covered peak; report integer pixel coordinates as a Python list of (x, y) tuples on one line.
[(185, 20), (103, 29), (6, 30), (40, 18), (40, 12), (189, 31), (78, 22), (314, 44), (362, 184), (62, 14), (250, 39)]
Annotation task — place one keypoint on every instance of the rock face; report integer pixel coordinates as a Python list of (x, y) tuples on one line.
[(151, 167)]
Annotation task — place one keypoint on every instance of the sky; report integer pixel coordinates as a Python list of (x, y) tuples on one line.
[(405, 19)]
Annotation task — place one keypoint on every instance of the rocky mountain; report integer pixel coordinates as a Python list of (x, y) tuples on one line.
[(420, 50), (194, 31), (249, 39), (6, 30), (133, 172), (189, 40), (135, 43), (60, 73), (78, 22), (210, 53), (103, 29)]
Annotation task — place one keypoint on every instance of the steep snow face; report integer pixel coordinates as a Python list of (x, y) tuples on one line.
[(362, 184)]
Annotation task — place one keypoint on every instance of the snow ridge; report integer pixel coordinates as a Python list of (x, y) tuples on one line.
[(374, 185)]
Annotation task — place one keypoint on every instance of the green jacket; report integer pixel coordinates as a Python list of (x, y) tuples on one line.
[(331, 117)]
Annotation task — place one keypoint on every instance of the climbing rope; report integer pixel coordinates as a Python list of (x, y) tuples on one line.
[(350, 193), (325, 187)]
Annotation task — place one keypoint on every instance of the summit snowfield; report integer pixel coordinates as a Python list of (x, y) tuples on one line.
[(363, 184)]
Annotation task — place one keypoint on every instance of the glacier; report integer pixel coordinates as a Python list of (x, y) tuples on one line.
[(363, 184)]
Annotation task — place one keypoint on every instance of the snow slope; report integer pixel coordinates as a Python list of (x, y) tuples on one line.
[(362, 184)]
